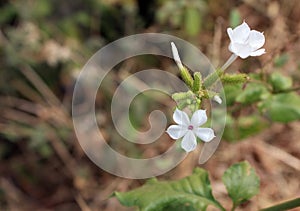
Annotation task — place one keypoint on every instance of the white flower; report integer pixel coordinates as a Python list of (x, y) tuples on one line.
[(176, 55), (217, 99), (245, 42), (189, 129)]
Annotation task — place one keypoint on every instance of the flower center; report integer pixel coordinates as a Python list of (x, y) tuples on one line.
[(190, 127)]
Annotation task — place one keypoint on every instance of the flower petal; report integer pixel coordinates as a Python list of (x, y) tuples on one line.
[(232, 48), (205, 134), (241, 33), (242, 50), (199, 118), (181, 117), (258, 52), (256, 39), (176, 131), (230, 33), (189, 142)]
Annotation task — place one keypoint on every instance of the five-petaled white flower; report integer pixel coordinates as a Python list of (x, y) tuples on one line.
[(245, 42), (189, 129)]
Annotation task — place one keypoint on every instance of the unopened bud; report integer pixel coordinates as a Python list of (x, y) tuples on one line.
[(176, 55)]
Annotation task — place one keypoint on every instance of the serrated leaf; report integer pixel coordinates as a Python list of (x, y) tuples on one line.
[(241, 182), (282, 107), (280, 82), (253, 93), (191, 193)]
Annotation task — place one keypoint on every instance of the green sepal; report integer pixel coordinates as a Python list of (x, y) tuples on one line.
[(186, 77), (197, 82), (234, 78)]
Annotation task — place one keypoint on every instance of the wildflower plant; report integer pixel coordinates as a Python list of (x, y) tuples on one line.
[(194, 192)]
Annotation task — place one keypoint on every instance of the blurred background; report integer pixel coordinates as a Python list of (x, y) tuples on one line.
[(43, 46)]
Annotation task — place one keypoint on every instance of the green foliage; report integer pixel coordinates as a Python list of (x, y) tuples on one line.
[(243, 127), (280, 82), (273, 99), (252, 93), (231, 91), (192, 21), (241, 182), (283, 107), (193, 192), (186, 15), (281, 60), (234, 18)]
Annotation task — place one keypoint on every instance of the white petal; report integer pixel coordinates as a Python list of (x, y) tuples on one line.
[(176, 131), (256, 39), (241, 33), (217, 99), (232, 48), (199, 118), (258, 52), (189, 142), (230, 33), (181, 117), (176, 55), (205, 134), (242, 50)]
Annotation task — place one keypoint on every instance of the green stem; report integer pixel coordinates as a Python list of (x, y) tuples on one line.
[(289, 90), (212, 78), (233, 206), (284, 206)]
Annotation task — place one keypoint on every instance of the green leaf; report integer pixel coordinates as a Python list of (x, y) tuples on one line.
[(253, 93), (231, 91), (282, 107), (191, 193), (243, 127), (280, 82), (241, 182), (281, 60), (234, 18), (192, 21)]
